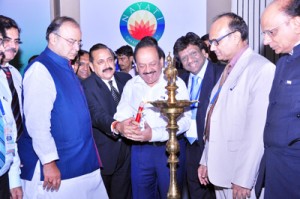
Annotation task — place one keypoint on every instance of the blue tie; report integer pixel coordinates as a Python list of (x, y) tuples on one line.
[(194, 95), (2, 142)]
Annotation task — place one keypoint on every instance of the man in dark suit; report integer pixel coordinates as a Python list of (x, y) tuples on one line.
[(103, 90), (200, 77), (280, 165)]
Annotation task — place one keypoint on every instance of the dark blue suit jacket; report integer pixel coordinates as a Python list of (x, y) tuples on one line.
[(211, 76), (102, 109), (280, 165)]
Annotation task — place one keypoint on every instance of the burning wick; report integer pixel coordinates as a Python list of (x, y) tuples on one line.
[(139, 113)]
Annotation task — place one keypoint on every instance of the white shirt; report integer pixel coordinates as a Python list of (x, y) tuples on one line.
[(136, 91), (17, 79), (132, 72), (114, 83), (12, 163), (39, 96), (192, 132)]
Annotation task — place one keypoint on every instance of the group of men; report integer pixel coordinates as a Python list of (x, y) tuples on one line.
[(124, 63), (240, 139)]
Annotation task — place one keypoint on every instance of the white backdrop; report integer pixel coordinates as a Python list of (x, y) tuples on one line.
[(100, 21)]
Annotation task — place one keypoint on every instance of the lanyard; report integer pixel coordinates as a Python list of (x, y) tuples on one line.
[(216, 95), (1, 108)]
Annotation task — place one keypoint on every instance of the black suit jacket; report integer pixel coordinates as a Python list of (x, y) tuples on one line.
[(102, 109), (211, 76)]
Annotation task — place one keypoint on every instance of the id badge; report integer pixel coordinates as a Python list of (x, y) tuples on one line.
[(9, 137)]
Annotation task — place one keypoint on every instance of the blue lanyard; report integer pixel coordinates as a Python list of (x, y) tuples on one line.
[(1, 107), (216, 95)]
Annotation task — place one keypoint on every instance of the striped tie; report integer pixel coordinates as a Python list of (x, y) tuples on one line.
[(2, 142), (115, 94), (15, 106)]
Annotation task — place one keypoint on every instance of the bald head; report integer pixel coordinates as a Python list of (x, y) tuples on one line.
[(280, 20), (228, 35)]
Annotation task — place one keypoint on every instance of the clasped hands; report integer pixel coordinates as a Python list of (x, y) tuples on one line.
[(131, 129)]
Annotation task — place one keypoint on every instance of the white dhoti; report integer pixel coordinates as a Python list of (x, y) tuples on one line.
[(88, 186), (225, 193)]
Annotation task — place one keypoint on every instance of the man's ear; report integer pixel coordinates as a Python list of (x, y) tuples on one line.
[(162, 63), (296, 24), (52, 38), (92, 66), (131, 59), (206, 55), (237, 36)]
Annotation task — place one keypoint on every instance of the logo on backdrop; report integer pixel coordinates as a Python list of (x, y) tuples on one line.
[(141, 19)]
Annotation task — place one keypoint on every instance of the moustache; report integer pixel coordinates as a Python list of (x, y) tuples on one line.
[(109, 68), (148, 73)]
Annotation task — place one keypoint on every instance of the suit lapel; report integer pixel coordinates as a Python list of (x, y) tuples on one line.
[(238, 69), (104, 96), (119, 82)]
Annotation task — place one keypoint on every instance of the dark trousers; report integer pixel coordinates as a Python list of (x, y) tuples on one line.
[(4, 186), (195, 189), (118, 184), (150, 171)]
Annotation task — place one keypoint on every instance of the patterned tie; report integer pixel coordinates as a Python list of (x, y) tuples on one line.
[(115, 94), (15, 106), (214, 101), (2, 142)]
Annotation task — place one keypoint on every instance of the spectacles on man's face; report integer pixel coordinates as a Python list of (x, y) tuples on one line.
[(71, 42), (273, 32), (216, 42)]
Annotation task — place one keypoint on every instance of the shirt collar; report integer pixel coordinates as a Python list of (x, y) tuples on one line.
[(106, 81), (296, 44), (201, 73), (238, 55)]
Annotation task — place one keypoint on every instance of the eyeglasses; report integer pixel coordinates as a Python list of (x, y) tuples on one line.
[(216, 42), (273, 32), (7, 40), (71, 42)]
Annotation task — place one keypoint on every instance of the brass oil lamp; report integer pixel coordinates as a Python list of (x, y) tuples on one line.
[(172, 109)]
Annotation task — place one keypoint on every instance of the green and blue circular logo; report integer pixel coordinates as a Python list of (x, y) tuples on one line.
[(141, 19)]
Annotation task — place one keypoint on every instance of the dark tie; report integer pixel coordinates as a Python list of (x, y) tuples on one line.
[(214, 101), (15, 106), (115, 94)]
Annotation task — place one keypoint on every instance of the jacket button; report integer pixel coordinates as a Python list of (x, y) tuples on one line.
[(267, 124), (298, 115)]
